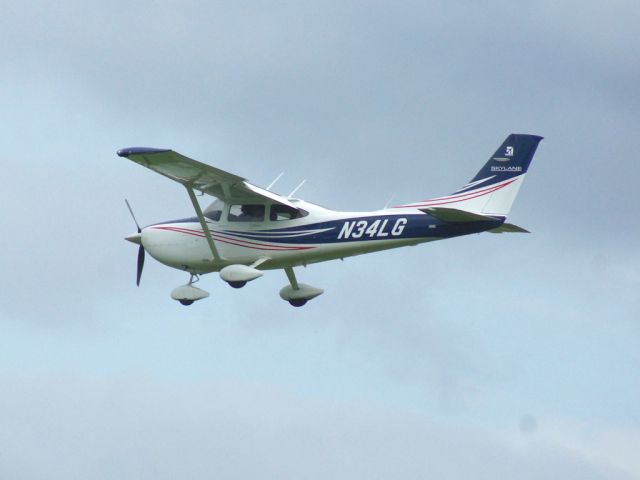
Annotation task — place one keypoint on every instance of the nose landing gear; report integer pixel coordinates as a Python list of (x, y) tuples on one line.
[(297, 294), (187, 294)]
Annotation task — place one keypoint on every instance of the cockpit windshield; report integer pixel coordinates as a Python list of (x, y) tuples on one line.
[(214, 211)]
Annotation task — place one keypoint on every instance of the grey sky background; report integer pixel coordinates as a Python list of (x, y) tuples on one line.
[(490, 356)]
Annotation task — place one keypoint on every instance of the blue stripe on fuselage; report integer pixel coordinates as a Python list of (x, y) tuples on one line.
[(362, 228)]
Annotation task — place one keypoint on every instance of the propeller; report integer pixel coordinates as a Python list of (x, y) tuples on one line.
[(137, 239)]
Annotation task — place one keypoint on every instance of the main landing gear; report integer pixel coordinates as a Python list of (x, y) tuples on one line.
[(238, 275), (298, 294)]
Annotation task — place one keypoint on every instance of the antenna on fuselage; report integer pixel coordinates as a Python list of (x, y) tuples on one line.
[(296, 189), (274, 182), (386, 205)]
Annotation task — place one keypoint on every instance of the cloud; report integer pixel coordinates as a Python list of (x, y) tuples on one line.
[(135, 427), (365, 100)]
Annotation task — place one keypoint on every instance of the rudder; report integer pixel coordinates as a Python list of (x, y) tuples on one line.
[(494, 188), (510, 160)]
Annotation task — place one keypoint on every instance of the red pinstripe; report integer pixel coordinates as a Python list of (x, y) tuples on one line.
[(458, 198), (231, 241)]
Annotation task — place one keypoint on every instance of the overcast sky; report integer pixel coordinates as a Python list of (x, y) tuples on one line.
[(490, 356)]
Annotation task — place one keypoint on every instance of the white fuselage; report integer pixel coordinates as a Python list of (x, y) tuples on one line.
[(321, 235)]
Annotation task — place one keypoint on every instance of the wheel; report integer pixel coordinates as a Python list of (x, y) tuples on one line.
[(185, 301), (237, 284), (298, 302)]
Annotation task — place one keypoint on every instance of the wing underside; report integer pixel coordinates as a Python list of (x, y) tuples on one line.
[(199, 176)]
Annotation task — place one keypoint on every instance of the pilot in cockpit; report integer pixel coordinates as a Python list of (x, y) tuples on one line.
[(253, 212)]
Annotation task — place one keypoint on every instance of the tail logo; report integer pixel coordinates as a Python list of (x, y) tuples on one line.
[(508, 153), (506, 169)]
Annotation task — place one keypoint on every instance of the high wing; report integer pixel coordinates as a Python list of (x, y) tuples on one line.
[(199, 176)]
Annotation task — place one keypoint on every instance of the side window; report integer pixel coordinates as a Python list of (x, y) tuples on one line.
[(284, 212), (246, 213)]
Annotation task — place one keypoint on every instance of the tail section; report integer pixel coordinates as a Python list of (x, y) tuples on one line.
[(492, 191)]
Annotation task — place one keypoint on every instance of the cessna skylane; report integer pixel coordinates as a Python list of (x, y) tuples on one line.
[(249, 229)]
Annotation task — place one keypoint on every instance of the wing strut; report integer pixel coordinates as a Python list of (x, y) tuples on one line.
[(203, 223)]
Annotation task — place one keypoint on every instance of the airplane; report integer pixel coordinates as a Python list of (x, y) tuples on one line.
[(249, 229)]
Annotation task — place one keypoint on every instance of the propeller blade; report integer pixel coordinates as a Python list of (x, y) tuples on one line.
[(140, 264), (137, 239), (132, 215)]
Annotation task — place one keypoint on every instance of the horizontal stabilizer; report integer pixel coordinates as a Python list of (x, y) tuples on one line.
[(508, 228), (455, 215)]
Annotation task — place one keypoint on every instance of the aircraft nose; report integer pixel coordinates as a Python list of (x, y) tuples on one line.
[(135, 238)]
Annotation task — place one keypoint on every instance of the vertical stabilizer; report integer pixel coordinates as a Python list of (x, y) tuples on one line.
[(494, 188)]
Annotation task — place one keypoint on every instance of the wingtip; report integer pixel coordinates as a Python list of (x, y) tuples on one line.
[(125, 152)]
